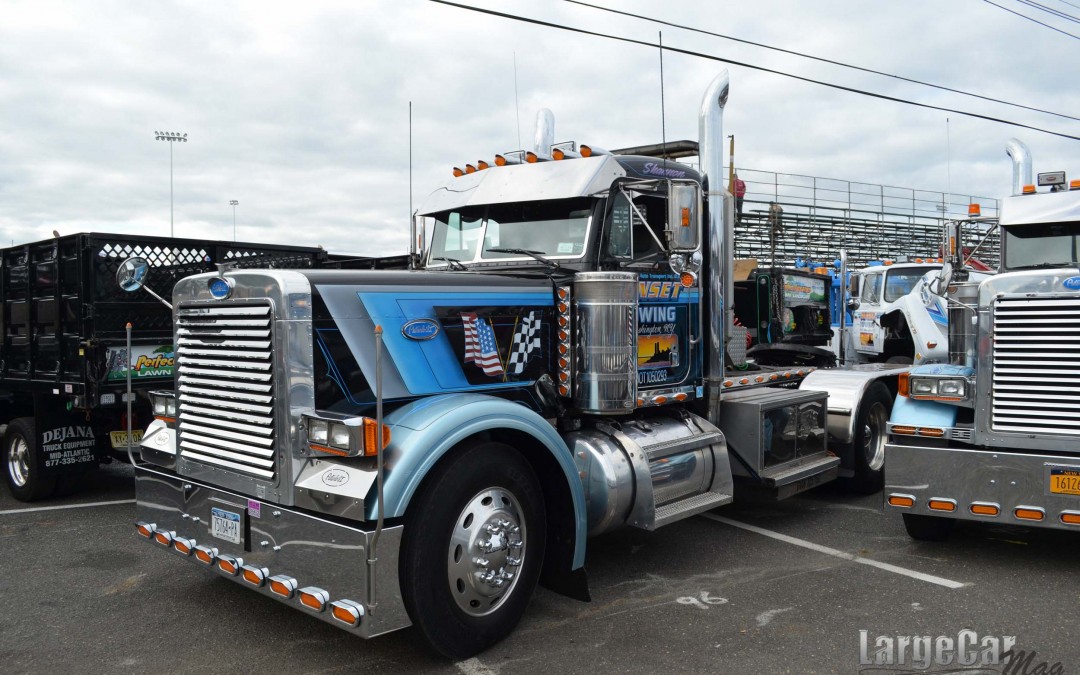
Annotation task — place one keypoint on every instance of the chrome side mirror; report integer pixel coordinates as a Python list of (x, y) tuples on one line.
[(131, 275)]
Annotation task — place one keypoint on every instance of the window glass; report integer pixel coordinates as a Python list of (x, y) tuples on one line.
[(871, 287), (1049, 245)]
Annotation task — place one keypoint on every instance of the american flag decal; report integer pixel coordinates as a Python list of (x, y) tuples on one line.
[(480, 344), (526, 339)]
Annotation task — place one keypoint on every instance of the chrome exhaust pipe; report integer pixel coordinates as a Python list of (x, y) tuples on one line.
[(1021, 161), (545, 132), (717, 286)]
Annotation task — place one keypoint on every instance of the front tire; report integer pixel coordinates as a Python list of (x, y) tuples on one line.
[(21, 468), (928, 528), (472, 549), (868, 451)]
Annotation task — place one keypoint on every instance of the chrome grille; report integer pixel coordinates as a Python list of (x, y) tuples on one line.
[(226, 412), (1036, 366)]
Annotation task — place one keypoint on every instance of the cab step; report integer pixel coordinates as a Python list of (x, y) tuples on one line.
[(684, 508)]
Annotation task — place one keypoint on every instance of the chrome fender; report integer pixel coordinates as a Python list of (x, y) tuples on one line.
[(423, 431), (846, 387)]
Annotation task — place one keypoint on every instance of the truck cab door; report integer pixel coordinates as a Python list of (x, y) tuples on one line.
[(869, 336), (666, 309)]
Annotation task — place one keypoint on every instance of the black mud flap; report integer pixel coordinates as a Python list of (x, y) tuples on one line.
[(66, 442)]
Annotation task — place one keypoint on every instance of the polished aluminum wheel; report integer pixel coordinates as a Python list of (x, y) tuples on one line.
[(18, 461), (874, 436), (486, 551)]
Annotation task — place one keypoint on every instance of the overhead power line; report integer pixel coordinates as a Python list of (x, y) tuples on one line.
[(1050, 10), (751, 66), (1024, 16), (824, 60)]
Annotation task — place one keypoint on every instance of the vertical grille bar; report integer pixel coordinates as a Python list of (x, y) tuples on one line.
[(1036, 366), (226, 367)]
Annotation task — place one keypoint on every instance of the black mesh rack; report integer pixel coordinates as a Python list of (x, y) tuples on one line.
[(64, 317)]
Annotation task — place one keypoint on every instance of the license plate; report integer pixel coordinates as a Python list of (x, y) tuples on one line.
[(1065, 481), (225, 525), (119, 438)]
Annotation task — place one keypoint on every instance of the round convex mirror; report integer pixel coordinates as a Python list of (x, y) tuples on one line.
[(132, 274)]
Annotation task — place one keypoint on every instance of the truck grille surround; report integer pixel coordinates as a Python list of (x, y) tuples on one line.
[(1036, 366), (226, 412)]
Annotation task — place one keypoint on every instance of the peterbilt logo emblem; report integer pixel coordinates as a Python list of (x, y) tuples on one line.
[(220, 287), (335, 477), (420, 329), (1072, 283)]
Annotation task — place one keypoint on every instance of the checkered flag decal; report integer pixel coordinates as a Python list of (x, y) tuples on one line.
[(526, 339)]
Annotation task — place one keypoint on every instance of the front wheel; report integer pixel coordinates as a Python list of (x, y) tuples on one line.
[(472, 549), (22, 472), (868, 452)]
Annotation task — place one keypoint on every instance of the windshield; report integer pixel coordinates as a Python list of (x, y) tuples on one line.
[(899, 282), (553, 229), (1048, 245)]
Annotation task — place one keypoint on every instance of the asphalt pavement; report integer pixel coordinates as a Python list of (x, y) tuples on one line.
[(808, 585)]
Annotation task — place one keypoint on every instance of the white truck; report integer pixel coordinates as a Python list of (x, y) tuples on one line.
[(896, 317)]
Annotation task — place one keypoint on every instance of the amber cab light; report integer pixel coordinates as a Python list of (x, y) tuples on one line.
[(144, 529), (985, 509), (1070, 517), (205, 554), (1029, 513), (282, 585), (229, 565), (903, 501), (942, 505), (347, 612), (255, 576), (314, 598)]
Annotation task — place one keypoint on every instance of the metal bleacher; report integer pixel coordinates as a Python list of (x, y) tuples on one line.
[(821, 216)]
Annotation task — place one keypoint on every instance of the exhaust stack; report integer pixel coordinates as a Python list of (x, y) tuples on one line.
[(545, 132), (1021, 161), (717, 284)]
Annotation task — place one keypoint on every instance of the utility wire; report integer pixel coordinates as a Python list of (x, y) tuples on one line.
[(1050, 10), (824, 60), (1024, 16), (1066, 2), (751, 66)]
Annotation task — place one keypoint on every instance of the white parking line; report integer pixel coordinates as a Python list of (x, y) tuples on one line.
[(473, 667), (66, 506), (929, 578)]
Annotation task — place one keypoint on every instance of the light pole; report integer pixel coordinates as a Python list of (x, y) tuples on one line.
[(171, 136), (233, 203)]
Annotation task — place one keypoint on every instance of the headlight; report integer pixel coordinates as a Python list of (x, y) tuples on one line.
[(164, 405), (317, 430), (353, 437), (937, 388), (339, 435)]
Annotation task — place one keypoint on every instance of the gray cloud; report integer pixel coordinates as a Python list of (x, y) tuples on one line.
[(301, 112)]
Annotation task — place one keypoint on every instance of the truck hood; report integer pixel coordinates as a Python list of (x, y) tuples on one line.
[(1040, 282)]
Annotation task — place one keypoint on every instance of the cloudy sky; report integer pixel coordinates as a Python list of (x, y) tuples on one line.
[(300, 111)]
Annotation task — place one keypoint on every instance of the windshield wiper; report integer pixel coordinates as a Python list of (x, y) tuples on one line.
[(454, 263), (1045, 265), (524, 251)]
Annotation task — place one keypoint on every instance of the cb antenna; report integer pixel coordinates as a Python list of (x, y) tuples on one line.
[(663, 120), (517, 107)]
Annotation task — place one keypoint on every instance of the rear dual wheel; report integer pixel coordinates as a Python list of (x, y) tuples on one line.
[(21, 468), (871, 429), (472, 550)]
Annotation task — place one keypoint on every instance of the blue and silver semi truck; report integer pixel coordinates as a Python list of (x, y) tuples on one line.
[(424, 446), (994, 434)]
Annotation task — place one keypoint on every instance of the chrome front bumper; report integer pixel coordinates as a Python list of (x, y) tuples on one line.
[(979, 482), (309, 552)]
